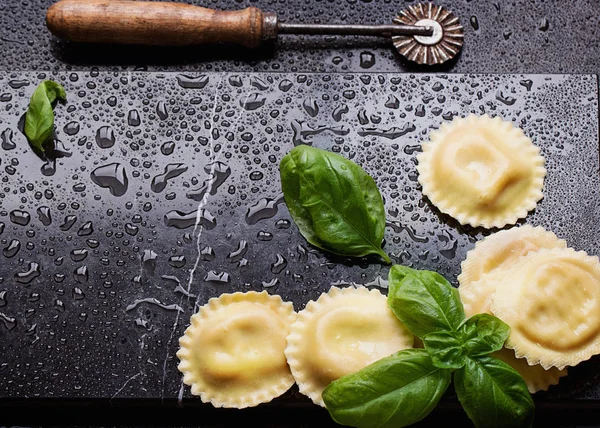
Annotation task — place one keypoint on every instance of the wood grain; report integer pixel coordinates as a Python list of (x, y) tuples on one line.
[(152, 23)]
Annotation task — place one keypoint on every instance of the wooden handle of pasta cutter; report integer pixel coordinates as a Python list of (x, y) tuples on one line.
[(155, 23)]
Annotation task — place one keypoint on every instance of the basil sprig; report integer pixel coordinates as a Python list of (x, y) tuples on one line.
[(334, 202), (402, 389), (39, 119)]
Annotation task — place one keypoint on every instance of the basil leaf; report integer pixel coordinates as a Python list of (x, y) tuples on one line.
[(445, 349), (493, 394), (424, 301), (483, 334), (334, 202), (395, 391), (39, 119)]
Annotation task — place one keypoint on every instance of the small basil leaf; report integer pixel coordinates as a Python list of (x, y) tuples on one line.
[(39, 119), (393, 392), (483, 334), (424, 301), (334, 202), (493, 394), (445, 349)]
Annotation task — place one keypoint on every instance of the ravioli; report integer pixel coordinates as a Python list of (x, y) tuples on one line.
[(232, 354), (552, 307), (481, 171), (340, 333), (498, 253), (536, 377)]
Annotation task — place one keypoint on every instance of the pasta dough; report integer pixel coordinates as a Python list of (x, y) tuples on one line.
[(340, 333), (536, 377), (481, 171), (552, 307), (498, 253), (232, 354)]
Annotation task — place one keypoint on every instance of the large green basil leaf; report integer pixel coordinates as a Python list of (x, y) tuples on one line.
[(393, 392), (445, 349), (39, 119), (483, 334), (493, 394), (334, 202), (424, 301)]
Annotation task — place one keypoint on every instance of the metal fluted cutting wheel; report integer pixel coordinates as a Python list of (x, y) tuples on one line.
[(443, 45)]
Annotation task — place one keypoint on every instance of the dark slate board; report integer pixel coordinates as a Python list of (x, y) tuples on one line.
[(93, 301)]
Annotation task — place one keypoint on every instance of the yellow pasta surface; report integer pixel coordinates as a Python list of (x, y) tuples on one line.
[(552, 306), (482, 171), (232, 354), (341, 332)]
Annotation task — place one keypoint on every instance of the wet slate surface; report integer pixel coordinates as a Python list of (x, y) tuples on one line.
[(167, 193)]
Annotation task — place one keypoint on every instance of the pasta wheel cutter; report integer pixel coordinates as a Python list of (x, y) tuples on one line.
[(423, 33)]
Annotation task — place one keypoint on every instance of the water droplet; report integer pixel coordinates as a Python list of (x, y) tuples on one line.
[(105, 137), (12, 249), (133, 118), (167, 148), (177, 261), (509, 101), (71, 128), (19, 217), (81, 274), (153, 301), (181, 220), (285, 85), (528, 84), (7, 139), (86, 230), (161, 110), (236, 81), (9, 322), (258, 83), (271, 283), (171, 171), (253, 101), (367, 59), (311, 106), (474, 22), (149, 261), (264, 236), (339, 112), (263, 208), (217, 277), (399, 227), (49, 168), (111, 176), (283, 224), (391, 133), (3, 299), (192, 82), (131, 229), (238, 254), (256, 175), (78, 293), (207, 254), (68, 223), (59, 305), (44, 215), (448, 244), (544, 24), (18, 83), (279, 265), (29, 275), (79, 255), (392, 102)]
